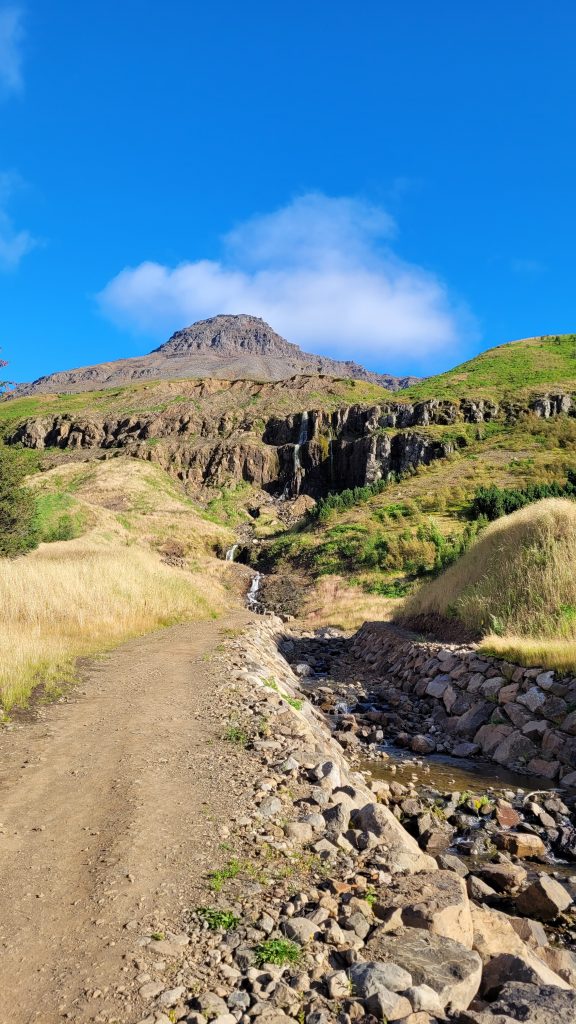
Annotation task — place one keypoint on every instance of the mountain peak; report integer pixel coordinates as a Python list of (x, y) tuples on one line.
[(228, 334), (225, 347)]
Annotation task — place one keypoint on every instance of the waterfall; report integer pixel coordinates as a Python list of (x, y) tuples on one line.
[(302, 439), (303, 435), (230, 554), (252, 601)]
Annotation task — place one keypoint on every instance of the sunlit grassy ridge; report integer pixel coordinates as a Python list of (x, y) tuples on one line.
[(512, 370), (211, 397), (144, 561), (517, 581)]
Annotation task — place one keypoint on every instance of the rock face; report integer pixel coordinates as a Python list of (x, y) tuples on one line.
[(225, 347), (309, 453)]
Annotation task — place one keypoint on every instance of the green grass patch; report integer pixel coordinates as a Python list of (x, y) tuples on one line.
[(278, 952), (218, 920), (230, 870), (58, 517)]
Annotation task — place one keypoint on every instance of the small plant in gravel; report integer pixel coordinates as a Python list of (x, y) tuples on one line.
[(278, 952), (271, 683), (230, 870), (158, 936), (236, 734), (370, 896), (293, 702), (218, 919), (263, 727)]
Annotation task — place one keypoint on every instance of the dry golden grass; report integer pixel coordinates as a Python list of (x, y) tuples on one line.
[(556, 654), (332, 602), (73, 598), (517, 581)]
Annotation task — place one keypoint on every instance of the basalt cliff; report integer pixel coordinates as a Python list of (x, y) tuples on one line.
[(310, 452)]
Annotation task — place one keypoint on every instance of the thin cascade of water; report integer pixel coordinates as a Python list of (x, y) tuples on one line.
[(252, 600), (231, 553), (302, 439), (303, 434)]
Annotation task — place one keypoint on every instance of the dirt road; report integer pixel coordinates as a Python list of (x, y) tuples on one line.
[(109, 813)]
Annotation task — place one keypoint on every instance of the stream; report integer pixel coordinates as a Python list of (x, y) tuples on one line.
[(441, 772)]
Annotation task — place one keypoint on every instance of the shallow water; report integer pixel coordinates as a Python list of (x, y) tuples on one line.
[(448, 774)]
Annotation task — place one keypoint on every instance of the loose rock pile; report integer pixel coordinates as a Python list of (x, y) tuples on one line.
[(329, 910)]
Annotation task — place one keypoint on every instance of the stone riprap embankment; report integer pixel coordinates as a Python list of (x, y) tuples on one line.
[(522, 718), (324, 908)]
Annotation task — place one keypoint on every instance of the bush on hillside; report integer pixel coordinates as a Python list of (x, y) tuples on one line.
[(17, 508), (518, 578), (347, 499), (493, 502)]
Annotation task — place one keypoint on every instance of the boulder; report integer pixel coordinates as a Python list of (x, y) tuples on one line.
[(521, 844), (504, 968), (533, 699), (545, 899), (561, 961), (369, 981), (489, 736), (424, 999), (446, 966), (398, 849), (494, 935), (300, 929), (514, 748), (503, 877), (529, 931), (422, 744), (532, 1004), (436, 901), (470, 722)]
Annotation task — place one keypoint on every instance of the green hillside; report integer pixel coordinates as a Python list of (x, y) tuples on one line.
[(210, 397), (508, 371)]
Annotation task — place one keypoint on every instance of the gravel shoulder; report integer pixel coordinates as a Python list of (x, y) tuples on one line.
[(109, 812)]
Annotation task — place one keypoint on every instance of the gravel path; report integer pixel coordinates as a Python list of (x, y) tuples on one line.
[(109, 813)]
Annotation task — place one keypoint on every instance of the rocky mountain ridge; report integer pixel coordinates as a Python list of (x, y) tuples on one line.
[(228, 347), (310, 452)]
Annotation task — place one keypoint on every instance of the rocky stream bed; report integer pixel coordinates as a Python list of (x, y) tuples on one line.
[(352, 886)]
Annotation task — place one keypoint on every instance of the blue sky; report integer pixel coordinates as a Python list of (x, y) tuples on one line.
[(387, 182)]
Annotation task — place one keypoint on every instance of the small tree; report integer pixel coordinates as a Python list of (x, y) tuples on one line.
[(17, 505)]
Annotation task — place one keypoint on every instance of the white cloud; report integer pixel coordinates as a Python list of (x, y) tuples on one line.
[(11, 35), (320, 270), (13, 244)]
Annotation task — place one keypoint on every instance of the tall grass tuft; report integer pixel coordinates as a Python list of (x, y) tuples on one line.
[(517, 580)]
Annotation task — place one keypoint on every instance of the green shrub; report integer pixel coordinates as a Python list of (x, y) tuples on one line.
[(494, 502), (17, 528)]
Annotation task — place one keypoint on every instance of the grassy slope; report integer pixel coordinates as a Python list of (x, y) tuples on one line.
[(435, 497), (211, 397), (512, 370), (143, 560), (518, 581)]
